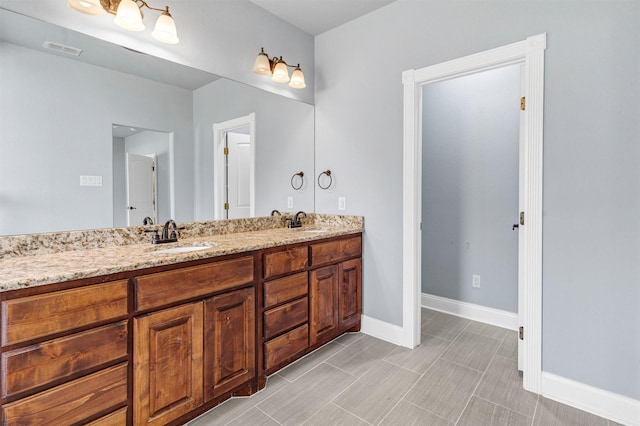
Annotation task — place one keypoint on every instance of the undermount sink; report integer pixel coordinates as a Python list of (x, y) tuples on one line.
[(183, 249), (317, 231)]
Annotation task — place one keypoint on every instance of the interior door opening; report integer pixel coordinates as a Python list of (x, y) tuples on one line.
[(530, 54), (234, 168), (470, 192)]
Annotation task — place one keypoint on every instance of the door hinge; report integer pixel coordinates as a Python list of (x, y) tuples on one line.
[(521, 333), (523, 103), (521, 218), (226, 206), (226, 151)]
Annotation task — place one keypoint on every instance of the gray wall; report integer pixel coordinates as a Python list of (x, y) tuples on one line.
[(591, 241), (283, 144), (119, 184), (45, 147), (470, 131)]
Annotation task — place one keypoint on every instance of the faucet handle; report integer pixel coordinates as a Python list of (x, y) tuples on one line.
[(155, 237)]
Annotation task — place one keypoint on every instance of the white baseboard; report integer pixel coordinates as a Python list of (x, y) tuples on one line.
[(602, 403), (491, 316), (381, 330)]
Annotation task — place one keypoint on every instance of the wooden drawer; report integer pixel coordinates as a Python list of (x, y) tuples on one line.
[(284, 289), (72, 402), (285, 262), (165, 288), (37, 365), (285, 317), (335, 251), (117, 418), (286, 346), (38, 316)]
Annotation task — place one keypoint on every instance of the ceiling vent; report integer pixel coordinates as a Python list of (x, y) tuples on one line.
[(74, 51)]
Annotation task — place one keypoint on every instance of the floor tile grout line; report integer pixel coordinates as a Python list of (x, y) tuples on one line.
[(263, 412), (503, 406), (475, 388), (535, 411), (353, 414)]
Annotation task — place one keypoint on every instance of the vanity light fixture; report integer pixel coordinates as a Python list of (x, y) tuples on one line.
[(277, 68), (129, 16)]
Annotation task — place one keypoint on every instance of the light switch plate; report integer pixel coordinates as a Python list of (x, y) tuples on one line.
[(342, 203), (90, 180), (289, 202)]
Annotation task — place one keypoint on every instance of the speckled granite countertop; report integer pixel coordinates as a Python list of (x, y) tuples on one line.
[(29, 271)]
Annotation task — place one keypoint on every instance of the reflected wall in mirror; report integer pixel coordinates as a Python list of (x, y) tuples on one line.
[(142, 176), (56, 118)]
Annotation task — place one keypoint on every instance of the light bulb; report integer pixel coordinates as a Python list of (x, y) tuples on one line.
[(165, 29), (262, 65), (297, 79), (90, 7), (128, 16), (280, 73)]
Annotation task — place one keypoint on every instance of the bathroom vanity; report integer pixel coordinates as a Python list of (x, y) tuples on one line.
[(160, 338)]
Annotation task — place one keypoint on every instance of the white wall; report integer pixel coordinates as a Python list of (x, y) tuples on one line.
[(591, 241), (222, 37), (46, 146), (470, 132), (283, 144)]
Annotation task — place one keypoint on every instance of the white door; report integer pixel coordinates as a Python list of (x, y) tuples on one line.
[(140, 189), (238, 183)]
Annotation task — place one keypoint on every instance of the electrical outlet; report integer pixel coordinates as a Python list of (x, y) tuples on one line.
[(476, 281), (289, 202), (342, 203)]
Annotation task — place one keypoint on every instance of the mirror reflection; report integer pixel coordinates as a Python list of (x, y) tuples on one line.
[(63, 164)]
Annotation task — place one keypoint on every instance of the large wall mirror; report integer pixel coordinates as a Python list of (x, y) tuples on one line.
[(72, 128)]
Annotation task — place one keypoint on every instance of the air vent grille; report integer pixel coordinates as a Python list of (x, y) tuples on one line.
[(69, 50)]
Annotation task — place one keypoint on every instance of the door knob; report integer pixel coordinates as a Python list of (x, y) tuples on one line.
[(131, 208), (515, 225)]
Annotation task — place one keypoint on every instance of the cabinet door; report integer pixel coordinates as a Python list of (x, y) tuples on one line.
[(350, 293), (229, 353), (323, 289), (167, 370)]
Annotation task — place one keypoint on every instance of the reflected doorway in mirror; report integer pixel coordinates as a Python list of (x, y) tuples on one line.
[(234, 168)]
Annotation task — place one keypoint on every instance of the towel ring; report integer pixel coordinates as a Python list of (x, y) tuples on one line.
[(301, 174), (328, 174)]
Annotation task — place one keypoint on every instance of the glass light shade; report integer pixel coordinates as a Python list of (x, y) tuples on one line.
[(280, 73), (165, 29), (262, 65), (297, 79), (128, 16), (90, 7)]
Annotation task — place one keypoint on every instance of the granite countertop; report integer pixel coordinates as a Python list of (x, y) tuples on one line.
[(30, 271)]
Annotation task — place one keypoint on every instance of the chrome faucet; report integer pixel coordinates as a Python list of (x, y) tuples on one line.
[(296, 222), (166, 236)]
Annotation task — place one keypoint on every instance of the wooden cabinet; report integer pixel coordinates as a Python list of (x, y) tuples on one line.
[(349, 293), (324, 303), (65, 355), (229, 343), (311, 293), (167, 364), (336, 290), (163, 345), (285, 307), (195, 353)]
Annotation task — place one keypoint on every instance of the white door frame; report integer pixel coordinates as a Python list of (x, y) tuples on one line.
[(529, 53), (219, 135)]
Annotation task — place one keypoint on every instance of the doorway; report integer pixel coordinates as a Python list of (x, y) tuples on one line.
[(234, 168), (530, 54)]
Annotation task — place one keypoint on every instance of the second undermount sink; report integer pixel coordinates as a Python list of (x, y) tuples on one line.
[(183, 248), (315, 230)]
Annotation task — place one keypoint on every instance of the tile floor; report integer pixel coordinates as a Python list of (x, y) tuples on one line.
[(464, 373)]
